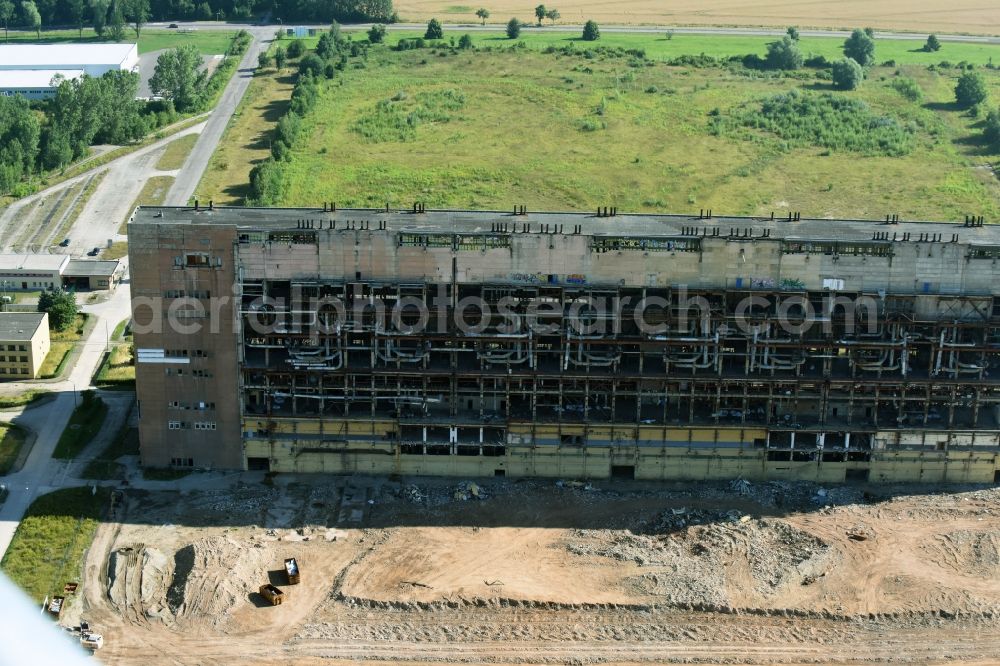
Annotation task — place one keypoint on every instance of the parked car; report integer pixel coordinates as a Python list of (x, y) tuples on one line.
[(64, 242), (94, 252), (172, 25)]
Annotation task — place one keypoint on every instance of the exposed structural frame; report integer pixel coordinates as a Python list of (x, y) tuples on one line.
[(777, 348)]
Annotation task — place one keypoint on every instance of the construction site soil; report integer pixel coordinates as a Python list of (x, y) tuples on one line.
[(541, 572)]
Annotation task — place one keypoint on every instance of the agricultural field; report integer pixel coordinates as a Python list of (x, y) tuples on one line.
[(489, 128), (973, 16)]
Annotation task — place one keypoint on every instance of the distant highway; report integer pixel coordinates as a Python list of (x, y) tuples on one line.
[(574, 28)]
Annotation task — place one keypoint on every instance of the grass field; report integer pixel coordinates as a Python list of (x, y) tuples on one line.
[(571, 132), (153, 192), (12, 439), (26, 398), (247, 137), (974, 16), (658, 47), (209, 42), (49, 545), (176, 153), (118, 368), (83, 426), (62, 343), (126, 443)]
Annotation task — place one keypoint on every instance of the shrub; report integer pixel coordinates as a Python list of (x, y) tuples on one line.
[(783, 54), (263, 60), (908, 88), (826, 121), (434, 30), (817, 62), (591, 31), (933, 44), (311, 64), (376, 35), (793, 33), (513, 28), (971, 90), (847, 74), (465, 41), (296, 48), (860, 47)]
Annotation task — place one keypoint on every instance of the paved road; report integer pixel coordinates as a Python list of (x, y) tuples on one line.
[(638, 29), (197, 161)]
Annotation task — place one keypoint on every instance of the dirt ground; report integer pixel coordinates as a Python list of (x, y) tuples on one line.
[(972, 16), (544, 572)]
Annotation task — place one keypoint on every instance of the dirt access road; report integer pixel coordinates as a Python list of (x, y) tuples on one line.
[(533, 572)]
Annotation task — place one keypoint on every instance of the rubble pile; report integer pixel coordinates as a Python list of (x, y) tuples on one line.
[(212, 575), (703, 556)]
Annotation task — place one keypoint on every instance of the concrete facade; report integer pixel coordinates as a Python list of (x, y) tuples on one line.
[(587, 360), (24, 344)]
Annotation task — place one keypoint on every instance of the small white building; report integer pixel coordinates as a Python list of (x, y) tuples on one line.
[(29, 69)]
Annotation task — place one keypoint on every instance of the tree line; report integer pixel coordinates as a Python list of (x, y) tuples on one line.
[(267, 179), (112, 18)]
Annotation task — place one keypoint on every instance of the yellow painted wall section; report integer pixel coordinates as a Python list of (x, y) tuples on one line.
[(667, 464)]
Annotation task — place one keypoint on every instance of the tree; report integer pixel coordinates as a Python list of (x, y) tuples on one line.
[(465, 41), (296, 48), (783, 54), (311, 63), (266, 182), (280, 57), (6, 14), (860, 47), (933, 44), (263, 60), (116, 24), (793, 33), (32, 18), (991, 128), (74, 12), (971, 90), (483, 14), (540, 13), (178, 76), (376, 35), (61, 307), (591, 31), (513, 28), (552, 15), (434, 30), (19, 134), (847, 74), (138, 14), (99, 15)]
